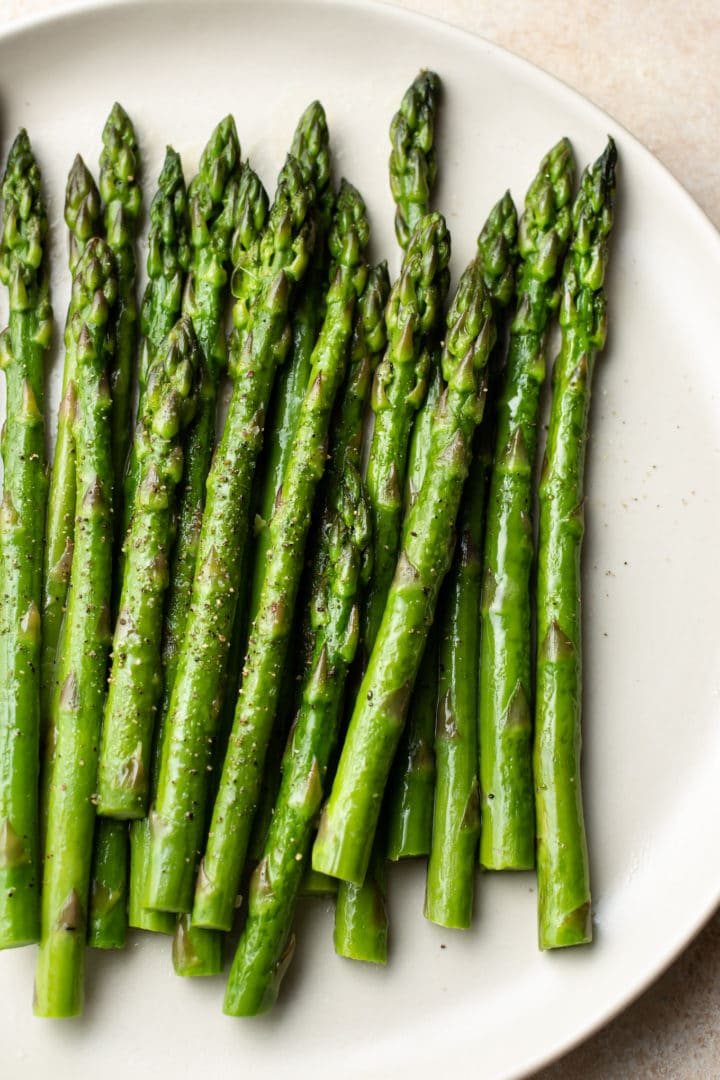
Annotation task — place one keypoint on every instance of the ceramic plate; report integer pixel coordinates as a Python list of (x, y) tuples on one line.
[(485, 1002)]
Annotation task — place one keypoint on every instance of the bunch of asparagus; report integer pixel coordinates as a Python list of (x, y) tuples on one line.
[(258, 669)]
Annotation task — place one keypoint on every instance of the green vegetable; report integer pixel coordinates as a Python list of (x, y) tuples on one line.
[(83, 214), (107, 918), (362, 933), (350, 817), (122, 201), (168, 260), (256, 710), (414, 311), (217, 207), (411, 792), (413, 316), (311, 149), (196, 951), (456, 813), (361, 918), (280, 256), (413, 164), (564, 911), (507, 838), (135, 683), (214, 201), (82, 660), (341, 548), (23, 349)]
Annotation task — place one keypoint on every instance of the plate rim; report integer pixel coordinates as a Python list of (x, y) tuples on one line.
[(67, 10)]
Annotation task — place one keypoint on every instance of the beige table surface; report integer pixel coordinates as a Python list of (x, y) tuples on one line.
[(655, 66)]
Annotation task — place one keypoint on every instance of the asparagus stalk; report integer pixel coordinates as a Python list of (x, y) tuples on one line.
[(135, 684), (409, 811), (83, 215), (311, 148), (167, 263), (107, 913), (337, 571), (168, 260), (563, 880), (23, 348), (413, 163), (213, 198), (281, 257), (237, 798), (414, 311), (349, 819), (362, 933), (122, 201), (77, 704), (456, 816), (508, 827), (216, 205)]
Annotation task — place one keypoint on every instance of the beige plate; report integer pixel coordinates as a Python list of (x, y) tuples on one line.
[(484, 1003)]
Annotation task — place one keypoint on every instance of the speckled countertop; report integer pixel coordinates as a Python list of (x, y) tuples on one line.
[(655, 67)]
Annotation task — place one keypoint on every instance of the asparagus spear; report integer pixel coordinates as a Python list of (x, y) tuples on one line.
[(508, 828), (310, 147), (281, 257), (23, 348), (122, 201), (167, 263), (456, 816), (213, 198), (237, 798), (169, 402), (83, 218), (107, 912), (564, 912), (342, 547), (413, 164), (414, 311), (77, 704), (412, 782), (360, 912), (350, 816), (414, 314), (216, 207), (168, 260)]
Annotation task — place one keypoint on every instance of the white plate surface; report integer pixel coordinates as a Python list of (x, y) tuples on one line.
[(484, 1003)]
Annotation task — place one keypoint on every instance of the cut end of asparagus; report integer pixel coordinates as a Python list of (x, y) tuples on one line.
[(196, 952)]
